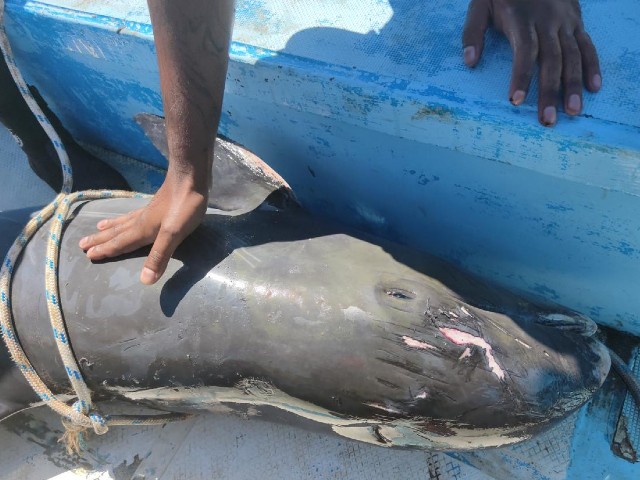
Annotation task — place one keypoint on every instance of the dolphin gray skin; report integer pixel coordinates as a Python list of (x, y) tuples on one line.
[(274, 312)]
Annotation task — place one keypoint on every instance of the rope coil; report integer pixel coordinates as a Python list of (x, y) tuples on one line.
[(79, 417)]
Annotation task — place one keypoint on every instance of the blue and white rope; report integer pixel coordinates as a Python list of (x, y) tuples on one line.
[(80, 416)]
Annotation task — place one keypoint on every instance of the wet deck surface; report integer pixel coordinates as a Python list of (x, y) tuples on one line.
[(231, 448)]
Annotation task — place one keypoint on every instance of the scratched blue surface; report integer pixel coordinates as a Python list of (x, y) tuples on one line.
[(365, 107), (591, 446)]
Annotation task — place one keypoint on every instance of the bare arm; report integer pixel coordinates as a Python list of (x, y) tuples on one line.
[(192, 41), (550, 32)]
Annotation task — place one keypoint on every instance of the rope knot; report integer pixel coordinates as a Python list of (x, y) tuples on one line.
[(77, 425), (81, 406), (97, 421)]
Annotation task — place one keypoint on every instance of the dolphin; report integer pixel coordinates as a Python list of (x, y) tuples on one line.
[(266, 310)]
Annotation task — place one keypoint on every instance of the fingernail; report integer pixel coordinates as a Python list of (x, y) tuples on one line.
[(469, 54), (549, 115), (574, 105), (596, 82), (83, 241), (518, 97), (101, 224), (148, 276)]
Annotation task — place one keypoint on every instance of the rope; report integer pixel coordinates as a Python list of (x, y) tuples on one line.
[(627, 376), (79, 417)]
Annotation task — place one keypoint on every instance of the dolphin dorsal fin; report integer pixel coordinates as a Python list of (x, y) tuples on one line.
[(241, 181)]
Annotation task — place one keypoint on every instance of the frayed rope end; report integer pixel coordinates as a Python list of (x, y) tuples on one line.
[(73, 437)]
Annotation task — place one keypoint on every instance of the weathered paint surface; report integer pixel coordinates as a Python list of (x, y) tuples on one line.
[(366, 110), (593, 436)]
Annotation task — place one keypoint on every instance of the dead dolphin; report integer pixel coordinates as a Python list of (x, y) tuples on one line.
[(276, 313)]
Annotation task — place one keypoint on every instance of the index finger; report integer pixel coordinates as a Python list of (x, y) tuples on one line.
[(524, 44), (163, 248)]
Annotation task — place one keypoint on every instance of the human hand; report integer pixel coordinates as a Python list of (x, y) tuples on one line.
[(175, 211), (549, 31), (192, 42)]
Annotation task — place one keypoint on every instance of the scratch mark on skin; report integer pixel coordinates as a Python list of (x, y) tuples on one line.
[(522, 343), (387, 383), (412, 368), (413, 343), (412, 328), (384, 408), (247, 256), (465, 354), (422, 395), (465, 311), (498, 327), (403, 365), (127, 340), (463, 338)]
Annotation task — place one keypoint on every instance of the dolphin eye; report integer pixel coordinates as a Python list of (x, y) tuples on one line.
[(400, 293)]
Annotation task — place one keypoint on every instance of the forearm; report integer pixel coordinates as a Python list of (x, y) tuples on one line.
[(192, 42)]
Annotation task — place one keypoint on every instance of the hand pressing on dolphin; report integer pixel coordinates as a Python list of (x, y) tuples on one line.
[(192, 43), (550, 32), (175, 211)]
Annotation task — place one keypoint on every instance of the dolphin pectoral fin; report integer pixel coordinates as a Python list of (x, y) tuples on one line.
[(241, 181)]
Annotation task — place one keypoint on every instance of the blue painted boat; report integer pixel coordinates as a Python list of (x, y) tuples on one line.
[(366, 109)]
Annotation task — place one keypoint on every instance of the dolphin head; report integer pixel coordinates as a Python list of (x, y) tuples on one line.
[(376, 330)]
